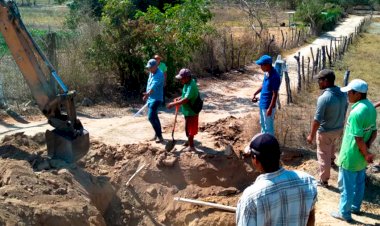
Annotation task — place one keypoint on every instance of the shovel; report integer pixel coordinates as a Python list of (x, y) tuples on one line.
[(138, 113), (170, 145)]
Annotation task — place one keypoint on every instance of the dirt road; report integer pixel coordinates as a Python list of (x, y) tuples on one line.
[(222, 98), (345, 28), (120, 146)]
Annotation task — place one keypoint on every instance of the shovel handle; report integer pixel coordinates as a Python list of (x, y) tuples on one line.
[(175, 118)]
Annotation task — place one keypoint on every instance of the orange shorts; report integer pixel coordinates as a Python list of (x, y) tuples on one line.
[(191, 125)]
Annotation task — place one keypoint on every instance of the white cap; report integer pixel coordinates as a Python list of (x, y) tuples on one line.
[(357, 85)]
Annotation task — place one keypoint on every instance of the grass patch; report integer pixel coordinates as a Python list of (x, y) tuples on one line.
[(233, 16), (40, 37), (49, 17), (39, 20), (363, 61)]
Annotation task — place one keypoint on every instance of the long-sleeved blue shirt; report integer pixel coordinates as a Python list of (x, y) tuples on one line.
[(156, 83)]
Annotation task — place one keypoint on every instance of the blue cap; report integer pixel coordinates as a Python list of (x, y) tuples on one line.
[(357, 85), (264, 59), (151, 63)]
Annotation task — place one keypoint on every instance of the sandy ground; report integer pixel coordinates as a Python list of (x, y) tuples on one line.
[(94, 190), (222, 99)]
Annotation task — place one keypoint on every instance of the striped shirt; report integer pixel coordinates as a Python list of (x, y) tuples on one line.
[(280, 198)]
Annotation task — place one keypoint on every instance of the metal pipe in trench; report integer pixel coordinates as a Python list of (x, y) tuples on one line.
[(202, 203)]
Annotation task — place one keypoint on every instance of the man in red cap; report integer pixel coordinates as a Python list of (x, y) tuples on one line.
[(190, 93)]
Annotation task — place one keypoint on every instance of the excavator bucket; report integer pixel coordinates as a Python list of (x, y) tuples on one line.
[(67, 148)]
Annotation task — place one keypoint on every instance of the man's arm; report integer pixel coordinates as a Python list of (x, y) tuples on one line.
[(371, 139), (363, 148), (272, 103), (314, 127), (178, 102), (254, 99), (147, 94), (181, 100), (377, 104)]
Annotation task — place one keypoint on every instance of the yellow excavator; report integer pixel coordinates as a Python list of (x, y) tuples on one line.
[(68, 141)]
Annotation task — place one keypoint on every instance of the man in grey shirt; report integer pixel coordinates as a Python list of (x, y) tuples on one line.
[(328, 123)]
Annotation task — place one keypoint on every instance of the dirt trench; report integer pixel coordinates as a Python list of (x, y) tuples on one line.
[(37, 190)]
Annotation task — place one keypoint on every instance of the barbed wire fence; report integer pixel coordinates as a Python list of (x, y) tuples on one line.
[(294, 120)]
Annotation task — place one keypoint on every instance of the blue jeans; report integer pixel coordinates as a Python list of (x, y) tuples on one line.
[(267, 123), (351, 185), (153, 117)]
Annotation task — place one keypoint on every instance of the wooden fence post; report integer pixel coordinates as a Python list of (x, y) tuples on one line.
[(331, 52), (320, 59), (271, 40), (336, 50), (346, 77), (288, 89), (323, 57), (345, 46), (283, 39), (308, 70), (232, 52), (351, 38), (298, 39), (225, 46), (313, 62), (2, 97), (286, 40), (299, 86), (317, 61), (303, 69), (328, 56)]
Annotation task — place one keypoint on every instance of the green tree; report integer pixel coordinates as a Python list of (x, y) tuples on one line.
[(129, 40), (310, 11), (178, 32), (321, 16)]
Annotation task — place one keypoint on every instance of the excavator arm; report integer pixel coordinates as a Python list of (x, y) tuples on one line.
[(69, 140)]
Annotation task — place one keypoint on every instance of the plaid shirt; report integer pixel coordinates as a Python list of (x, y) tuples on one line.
[(280, 198)]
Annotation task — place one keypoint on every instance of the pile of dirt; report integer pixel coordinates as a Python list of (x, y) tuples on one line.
[(232, 132), (149, 198), (38, 184), (37, 189)]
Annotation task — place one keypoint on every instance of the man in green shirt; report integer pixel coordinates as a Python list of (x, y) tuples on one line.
[(354, 154), (189, 94), (164, 69)]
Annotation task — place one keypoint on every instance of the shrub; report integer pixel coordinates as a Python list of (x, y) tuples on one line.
[(330, 17), (128, 42)]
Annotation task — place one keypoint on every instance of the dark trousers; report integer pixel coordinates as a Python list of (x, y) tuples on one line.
[(153, 117)]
